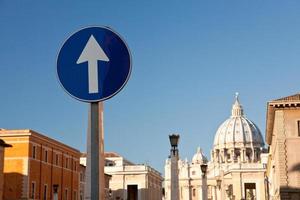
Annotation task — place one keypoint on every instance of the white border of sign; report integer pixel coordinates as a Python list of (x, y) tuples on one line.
[(128, 76)]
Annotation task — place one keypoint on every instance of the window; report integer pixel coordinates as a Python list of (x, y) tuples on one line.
[(66, 194), (33, 151), (32, 190), (56, 159), (194, 192), (46, 156), (250, 191), (298, 123), (75, 195), (81, 177), (67, 161), (45, 192), (81, 195)]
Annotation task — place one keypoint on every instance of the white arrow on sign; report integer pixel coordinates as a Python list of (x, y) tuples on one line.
[(91, 53)]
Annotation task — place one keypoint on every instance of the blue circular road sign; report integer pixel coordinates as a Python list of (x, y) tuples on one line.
[(94, 64)]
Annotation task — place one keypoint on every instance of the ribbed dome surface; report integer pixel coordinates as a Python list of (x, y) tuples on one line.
[(238, 131)]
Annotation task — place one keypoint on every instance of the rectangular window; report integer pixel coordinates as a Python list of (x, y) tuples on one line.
[(81, 177), (66, 194), (56, 159), (75, 195), (298, 123), (250, 191), (45, 192), (33, 151), (32, 190), (75, 166), (46, 156), (67, 161)]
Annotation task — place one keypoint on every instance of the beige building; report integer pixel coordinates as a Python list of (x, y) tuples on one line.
[(283, 137), (83, 180), (130, 181), (237, 167)]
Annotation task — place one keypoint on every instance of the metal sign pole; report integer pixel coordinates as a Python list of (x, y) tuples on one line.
[(95, 154), (94, 151)]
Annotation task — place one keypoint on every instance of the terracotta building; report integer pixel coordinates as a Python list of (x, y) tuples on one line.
[(283, 137), (81, 181), (35, 164), (2, 146)]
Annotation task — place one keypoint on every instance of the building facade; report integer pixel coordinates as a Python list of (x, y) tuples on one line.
[(81, 181), (283, 138), (237, 166), (107, 178), (35, 164), (131, 181), (3, 145)]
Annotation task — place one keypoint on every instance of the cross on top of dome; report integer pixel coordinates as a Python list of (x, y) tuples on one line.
[(237, 109), (236, 96)]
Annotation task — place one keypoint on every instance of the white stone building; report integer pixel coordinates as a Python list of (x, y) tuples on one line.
[(125, 180), (132, 181), (237, 166)]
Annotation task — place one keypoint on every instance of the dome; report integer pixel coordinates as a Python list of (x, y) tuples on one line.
[(238, 131), (199, 158)]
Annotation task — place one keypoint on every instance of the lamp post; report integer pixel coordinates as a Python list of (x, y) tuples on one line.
[(204, 181), (219, 184), (55, 191), (174, 139)]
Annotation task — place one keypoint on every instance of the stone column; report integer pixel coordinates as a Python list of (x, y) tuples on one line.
[(243, 154), (204, 187), (221, 153), (222, 191), (174, 180), (232, 156)]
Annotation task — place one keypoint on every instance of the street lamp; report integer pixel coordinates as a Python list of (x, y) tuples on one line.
[(174, 181), (204, 181), (219, 182), (174, 140), (204, 168)]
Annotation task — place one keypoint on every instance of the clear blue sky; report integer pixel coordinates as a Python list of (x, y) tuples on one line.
[(189, 58)]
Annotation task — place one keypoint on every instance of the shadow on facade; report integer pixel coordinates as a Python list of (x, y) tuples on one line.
[(296, 167), (132, 194), (291, 193), (12, 187)]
